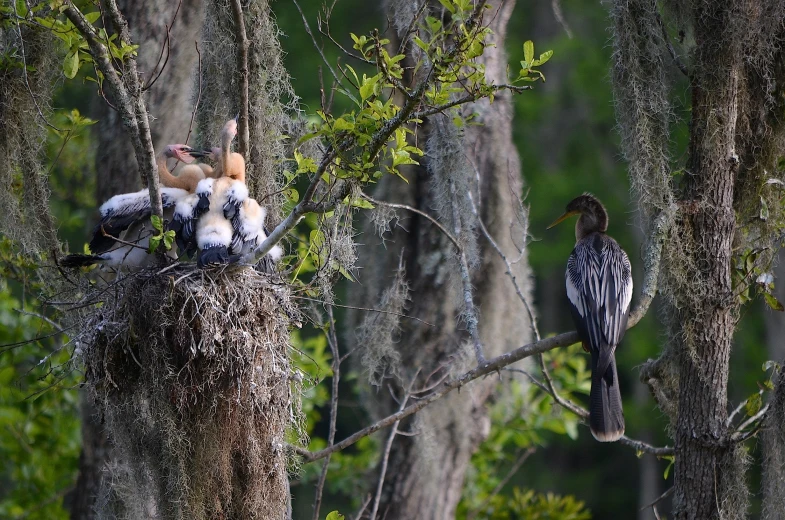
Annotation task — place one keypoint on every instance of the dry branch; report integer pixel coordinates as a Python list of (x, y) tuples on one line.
[(660, 229), (128, 97)]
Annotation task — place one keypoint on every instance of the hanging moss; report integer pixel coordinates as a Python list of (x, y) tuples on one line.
[(199, 399), (28, 69)]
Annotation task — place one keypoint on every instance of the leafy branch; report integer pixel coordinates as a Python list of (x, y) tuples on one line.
[(125, 85), (372, 139)]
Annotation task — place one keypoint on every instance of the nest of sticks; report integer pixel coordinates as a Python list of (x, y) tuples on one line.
[(192, 375)]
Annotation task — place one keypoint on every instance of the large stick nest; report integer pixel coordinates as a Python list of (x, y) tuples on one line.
[(193, 376)]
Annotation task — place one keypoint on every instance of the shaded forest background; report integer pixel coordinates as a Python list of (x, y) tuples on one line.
[(564, 131)]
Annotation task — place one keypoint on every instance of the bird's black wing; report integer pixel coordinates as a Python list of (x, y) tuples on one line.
[(599, 287), (121, 211)]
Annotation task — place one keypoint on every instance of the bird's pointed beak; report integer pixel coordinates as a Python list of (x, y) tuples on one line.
[(199, 153), (563, 218)]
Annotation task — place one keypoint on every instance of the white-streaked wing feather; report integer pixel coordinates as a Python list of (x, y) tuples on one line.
[(599, 286)]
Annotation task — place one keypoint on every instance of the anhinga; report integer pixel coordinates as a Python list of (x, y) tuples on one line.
[(220, 223), (599, 287), (127, 217)]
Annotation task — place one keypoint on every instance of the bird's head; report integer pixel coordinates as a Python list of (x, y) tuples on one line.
[(593, 216), (181, 152), (230, 129)]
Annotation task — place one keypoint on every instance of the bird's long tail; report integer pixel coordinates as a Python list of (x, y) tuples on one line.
[(79, 260), (606, 418)]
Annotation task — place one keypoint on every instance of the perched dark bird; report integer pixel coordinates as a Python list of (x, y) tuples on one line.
[(599, 287)]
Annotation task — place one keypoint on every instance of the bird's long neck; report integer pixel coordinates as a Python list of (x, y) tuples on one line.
[(595, 221), (235, 168), (165, 176), (226, 144)]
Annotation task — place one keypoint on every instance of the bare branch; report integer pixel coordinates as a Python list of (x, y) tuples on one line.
[(559, 15), (658, 499), (680, 64), (513, 279), (130, 102), (652, 265), (321, 52), (332, 340), (414, 210), (470, 311), (386, 455), (584, 414), (198, 92)]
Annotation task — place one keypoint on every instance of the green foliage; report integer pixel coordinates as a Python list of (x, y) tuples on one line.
[(39, 420), (751, 277), (162, 238), (527, 417), (375, 135), (77, 47)]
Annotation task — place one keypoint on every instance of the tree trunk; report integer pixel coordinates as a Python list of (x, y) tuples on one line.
[(707, 468), (169, 101), (426, 471), (733, 60)]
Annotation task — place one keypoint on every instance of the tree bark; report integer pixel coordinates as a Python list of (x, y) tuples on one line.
[(169, 102), (426, 472), (706, 466)]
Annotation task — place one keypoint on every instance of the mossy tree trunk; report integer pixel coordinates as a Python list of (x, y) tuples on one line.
[(426, 472), (706, 471), (170, 102), (730, 53)]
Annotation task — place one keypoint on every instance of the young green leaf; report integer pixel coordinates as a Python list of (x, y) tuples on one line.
[(773, 302), (155, 241), (157, 223), (528, 51), (71, 63)]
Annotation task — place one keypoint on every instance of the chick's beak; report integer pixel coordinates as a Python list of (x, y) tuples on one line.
[(198, 153)]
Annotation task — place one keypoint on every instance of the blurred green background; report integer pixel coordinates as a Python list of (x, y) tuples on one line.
[(565, 133)]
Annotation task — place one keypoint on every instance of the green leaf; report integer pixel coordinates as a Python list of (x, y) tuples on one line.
[(21, 8), (754, 402), (773, 302), (342, 124), (155, 241), (361, 203), (419, 43), (528, 51), (157, 223), (292, 195), (168, 239), (71, 63), (369, 86), (93, 17), (448, 5), (544, 57), (668, 469)]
